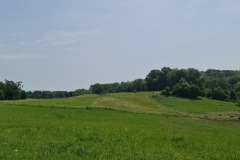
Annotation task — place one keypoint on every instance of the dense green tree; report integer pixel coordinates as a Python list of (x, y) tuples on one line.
[(23, 94), (234, 79), (233, 95), (152, 80), (55, 94), (163, 77), (139, 85), (2, 85), (237, 90), (219, 94), (12, 90), (78, 92), (175, 76), (2, 88), (193, 75), (211, 83), (223, 83), (215, 84), (97, 88), (2, 96), (185, 89)]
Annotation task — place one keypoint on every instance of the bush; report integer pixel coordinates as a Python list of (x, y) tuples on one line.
[(219, 94), (166, 92), (185, 89), (97, 88)]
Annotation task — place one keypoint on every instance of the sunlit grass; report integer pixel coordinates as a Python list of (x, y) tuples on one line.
[(200, 105), (49, 133), (95, 127), (74, 102)]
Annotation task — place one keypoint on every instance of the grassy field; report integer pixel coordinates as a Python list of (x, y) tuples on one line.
[(119, 126)]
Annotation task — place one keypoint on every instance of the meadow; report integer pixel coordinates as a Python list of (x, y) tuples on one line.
[(119, 126)]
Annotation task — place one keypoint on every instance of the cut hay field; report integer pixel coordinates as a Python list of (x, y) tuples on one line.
[(119, 126)]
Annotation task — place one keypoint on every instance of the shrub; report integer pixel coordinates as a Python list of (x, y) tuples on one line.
[(185, 89), (166, 92), (219, 94)]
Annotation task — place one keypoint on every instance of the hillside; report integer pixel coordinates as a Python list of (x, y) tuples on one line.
[(119, 126), (143, 102)]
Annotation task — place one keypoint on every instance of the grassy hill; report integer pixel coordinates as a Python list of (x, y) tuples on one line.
[(119, 126)]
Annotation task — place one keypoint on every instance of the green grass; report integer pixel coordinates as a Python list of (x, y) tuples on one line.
[(74, 102), (201, 105), (147, 129), (132, 102)]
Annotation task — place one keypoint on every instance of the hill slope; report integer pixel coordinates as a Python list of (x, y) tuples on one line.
[(95, 127), (144, 102)]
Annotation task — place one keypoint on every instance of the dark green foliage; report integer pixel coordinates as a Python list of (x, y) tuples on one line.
[(237, 90), (56, 94), (10, 90), (234, 79), (174, 77), (166, 92), (215, 84), (185, 89), (233, 95), (221, 73), (133, 86), (23, 95), (152, 80), (139, 85), (219, 94), (2, 97), (97, 88), (193, 75), (79, 92), (191, 83)]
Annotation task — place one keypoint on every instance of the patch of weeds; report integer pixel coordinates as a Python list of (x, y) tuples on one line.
[(61, 116), (177, 139), (65, 147), (89, 107), (88, 137), (82, 152)]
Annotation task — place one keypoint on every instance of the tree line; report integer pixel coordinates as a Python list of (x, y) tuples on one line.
[(189, 83), (10, 90), (56, 94), (130, 86)]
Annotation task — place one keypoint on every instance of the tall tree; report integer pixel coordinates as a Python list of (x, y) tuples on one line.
[(152, 80), (139, 85), (97, 88), (12, 90)]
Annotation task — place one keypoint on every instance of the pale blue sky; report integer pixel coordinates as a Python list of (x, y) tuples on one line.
[(70, 44)]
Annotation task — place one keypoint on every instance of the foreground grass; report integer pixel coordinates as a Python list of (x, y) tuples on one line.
[(50, 133), (117, 126)]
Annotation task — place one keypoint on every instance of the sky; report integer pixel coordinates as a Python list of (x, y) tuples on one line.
[(71, 44)]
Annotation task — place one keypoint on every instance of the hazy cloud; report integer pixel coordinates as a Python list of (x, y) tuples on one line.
[(46, 38), (66, 37), (16, 57)]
